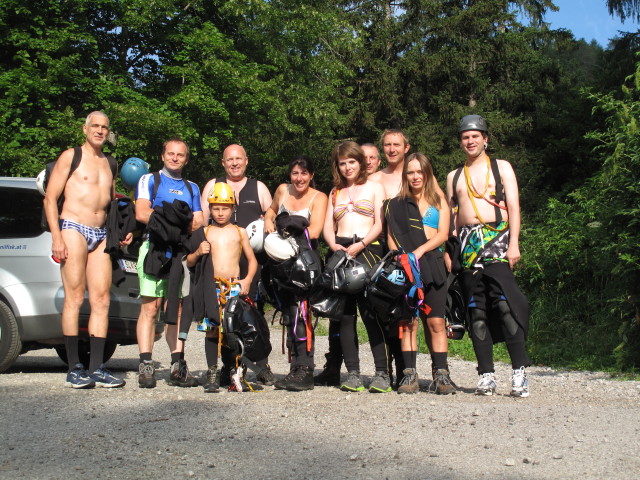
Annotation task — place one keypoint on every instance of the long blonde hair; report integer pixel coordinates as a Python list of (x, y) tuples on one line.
[(429, 192)]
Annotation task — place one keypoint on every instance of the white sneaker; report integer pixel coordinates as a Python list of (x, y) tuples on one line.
[(519, 383), (487, 384)]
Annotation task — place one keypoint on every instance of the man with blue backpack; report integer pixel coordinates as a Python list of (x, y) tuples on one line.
[(169, 206)]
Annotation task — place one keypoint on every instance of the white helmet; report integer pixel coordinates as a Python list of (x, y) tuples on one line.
[(255, 231), (40, 181), (278, 248)]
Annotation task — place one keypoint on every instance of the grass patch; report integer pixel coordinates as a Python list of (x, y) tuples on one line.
[(458, 348)]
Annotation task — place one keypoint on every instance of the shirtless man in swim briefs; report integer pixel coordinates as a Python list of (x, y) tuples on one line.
[(78, 241)]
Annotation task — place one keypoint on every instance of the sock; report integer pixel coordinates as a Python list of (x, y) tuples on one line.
[(176, 357), (439, 360), (96, 344), (71, 346), (409, 359), (211, 351), (145, 357)]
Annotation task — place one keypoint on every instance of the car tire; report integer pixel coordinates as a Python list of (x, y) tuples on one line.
[(84, 352), (10, 344)]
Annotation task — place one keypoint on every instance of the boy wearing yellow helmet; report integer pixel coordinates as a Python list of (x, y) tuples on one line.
[(221, 244)]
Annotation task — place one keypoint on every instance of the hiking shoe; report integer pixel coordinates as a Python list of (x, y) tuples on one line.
[(78, 377), (487, 384), (146, 375), (353, 383), (330, 374), (519, 383), (409, 382), (180, 376), (265, 376), (211, 384), (442, 384), (381, 383), (298, 379), (103, 378)]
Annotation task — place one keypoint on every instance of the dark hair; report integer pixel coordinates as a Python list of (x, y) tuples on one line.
[(175, 140), (429, 190), (306, 164), (348, 149)]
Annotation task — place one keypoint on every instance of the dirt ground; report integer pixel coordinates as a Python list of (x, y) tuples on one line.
[(580, 425)]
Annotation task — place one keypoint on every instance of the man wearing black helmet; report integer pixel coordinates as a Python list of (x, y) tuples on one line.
[(484, 198)]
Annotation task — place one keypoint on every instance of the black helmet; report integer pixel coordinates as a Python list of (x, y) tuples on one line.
[(344, 274), (472, 122), (455, 312)]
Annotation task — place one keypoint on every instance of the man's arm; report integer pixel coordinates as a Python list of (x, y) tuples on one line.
[(55, 188), (271, 212), (252, 268), (264, 196), (453, 216), (204, 203), (510, 185)]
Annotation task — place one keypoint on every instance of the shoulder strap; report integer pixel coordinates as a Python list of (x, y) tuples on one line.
[(113, 165), (456, 176), (156, 185), (499, 188), (188, 185)]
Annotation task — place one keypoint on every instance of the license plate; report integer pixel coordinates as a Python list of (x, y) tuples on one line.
[(128, 266)]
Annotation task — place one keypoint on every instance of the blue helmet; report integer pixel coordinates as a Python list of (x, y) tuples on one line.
[(132, 170)]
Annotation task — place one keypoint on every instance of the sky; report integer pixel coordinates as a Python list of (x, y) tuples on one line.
[(588, 19)]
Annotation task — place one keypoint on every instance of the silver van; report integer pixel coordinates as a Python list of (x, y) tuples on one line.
[(31, 293)]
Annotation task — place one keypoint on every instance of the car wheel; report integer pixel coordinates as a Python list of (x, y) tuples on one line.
[(10, 344), (84, 352)]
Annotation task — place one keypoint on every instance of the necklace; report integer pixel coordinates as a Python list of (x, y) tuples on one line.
[(350, 205)]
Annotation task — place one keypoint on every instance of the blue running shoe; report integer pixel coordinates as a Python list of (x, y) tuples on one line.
[(78, 377), (103, 378)]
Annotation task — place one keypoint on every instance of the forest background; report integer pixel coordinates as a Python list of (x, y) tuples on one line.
[(288, 77)]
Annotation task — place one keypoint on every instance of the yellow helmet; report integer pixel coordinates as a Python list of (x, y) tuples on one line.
[(221, 193)]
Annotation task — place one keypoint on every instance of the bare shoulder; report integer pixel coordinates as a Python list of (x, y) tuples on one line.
[(505, 168), (208, 186), (319, 196), (376, 177)]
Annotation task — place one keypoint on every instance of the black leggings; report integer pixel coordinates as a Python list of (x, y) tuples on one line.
[(485, 297), (296, 331), (378, 335)]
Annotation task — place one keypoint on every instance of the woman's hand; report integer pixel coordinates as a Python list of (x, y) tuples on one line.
[(355, 248), (269, 226)]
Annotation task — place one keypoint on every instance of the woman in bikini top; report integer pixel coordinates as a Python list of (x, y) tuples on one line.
[(353, 224), (419, 189), (356, 202)]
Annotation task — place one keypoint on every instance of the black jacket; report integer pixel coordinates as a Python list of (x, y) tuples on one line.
[(202, 300), (405, 224), (121, 220), (168, 227)]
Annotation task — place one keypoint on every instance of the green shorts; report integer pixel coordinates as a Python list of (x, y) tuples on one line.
[(150, 286)]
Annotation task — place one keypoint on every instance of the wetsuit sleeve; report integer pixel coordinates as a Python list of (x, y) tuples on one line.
[(145, 187)]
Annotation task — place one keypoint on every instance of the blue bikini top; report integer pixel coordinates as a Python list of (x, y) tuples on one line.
[(431, 217)]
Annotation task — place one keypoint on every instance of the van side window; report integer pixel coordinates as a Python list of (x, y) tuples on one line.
[(20, 213)]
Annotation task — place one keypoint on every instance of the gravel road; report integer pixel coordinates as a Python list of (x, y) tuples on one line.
[(574, 425)]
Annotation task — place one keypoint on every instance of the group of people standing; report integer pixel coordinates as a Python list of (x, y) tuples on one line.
[(473, 230)]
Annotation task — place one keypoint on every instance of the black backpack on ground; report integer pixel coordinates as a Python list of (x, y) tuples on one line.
[(242, 323), (75, 163)]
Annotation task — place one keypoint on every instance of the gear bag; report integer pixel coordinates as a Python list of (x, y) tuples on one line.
[(387, 286), (244, 326)]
